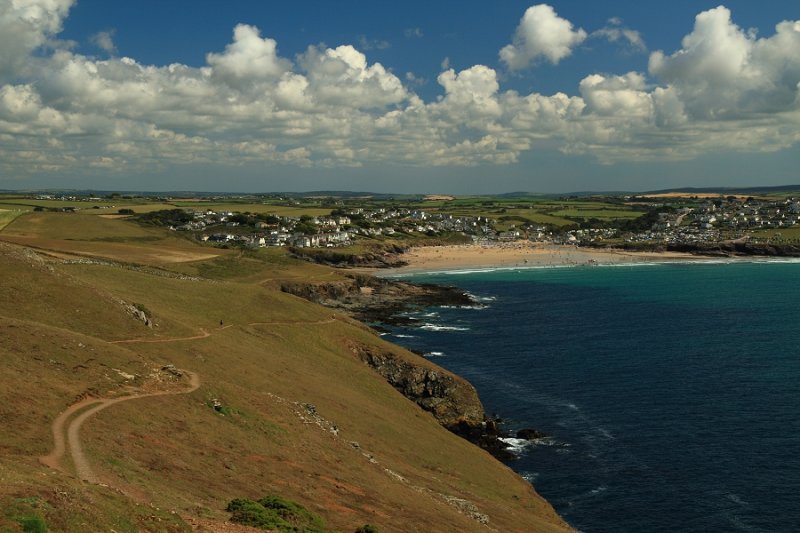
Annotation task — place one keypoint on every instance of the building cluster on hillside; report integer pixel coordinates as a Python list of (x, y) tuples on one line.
[(228, 227), (685, 221), (678, 220), (68, 198), (704, 221)]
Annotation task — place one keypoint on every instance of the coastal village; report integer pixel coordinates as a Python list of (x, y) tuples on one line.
[(683, 220), (707, 221)]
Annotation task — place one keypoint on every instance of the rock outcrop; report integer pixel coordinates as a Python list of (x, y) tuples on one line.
[(738, 248), (449, 398), (385, 256), (373, 299), (452, 400)]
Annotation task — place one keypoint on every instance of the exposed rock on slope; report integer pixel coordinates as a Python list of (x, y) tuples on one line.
[(373, 299), (452, 400), (386, 256)]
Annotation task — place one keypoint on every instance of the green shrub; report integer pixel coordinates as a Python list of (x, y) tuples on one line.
[(33, 524), (274, 512), (367, 528), (250, 513)]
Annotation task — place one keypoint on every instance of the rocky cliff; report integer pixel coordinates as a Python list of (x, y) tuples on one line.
[(384, 256), (452, 400), (373, 299)]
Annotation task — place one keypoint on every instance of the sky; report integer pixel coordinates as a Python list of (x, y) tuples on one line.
[(467, 97)]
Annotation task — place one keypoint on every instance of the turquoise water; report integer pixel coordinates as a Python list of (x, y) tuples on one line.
[(671, 392)]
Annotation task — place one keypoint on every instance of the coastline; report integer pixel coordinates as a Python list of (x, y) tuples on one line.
[(522, 255), (577, 410)]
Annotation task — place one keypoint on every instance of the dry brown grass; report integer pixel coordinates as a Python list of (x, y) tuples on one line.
[(92, 236), (277, 355)]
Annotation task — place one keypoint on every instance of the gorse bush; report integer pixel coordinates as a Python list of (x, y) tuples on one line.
[(274, 512), (33, 524)]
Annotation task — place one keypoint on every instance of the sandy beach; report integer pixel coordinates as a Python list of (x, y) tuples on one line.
[(430, 258)]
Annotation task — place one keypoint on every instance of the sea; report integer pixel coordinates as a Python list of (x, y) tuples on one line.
[(669, 393)]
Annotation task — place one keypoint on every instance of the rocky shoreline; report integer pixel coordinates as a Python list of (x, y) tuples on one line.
[(377, 300), (449, 398), (732, 249), (738, 249)]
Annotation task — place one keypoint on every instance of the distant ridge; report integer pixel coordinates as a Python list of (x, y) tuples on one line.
[(400, 196), (727, 190)]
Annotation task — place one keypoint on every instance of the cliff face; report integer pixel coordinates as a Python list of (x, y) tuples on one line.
[(452, 400)]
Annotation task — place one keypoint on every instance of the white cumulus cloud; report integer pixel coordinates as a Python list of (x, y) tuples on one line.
[(724, 72), (61, 111), (342, 76), (248, 59), (26, 25), (541, 34), (616, 95)]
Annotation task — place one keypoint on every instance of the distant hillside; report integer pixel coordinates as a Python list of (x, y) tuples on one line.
[(399, 196), (730, 190)]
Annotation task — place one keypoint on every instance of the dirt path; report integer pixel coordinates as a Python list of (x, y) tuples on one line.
[(66, 437), (294, 322), (71, 436), (53, 459), (205, 334)]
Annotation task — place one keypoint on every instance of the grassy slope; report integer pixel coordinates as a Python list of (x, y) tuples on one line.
[(7, 215), (118, 239), (179, 454)]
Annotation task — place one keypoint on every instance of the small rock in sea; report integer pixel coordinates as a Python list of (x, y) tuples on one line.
[(530, 434)]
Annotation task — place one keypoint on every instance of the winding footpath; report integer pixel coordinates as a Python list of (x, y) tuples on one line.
[(205, 334), (68, 438), (66, 428)]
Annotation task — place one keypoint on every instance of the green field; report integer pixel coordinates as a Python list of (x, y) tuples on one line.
[(602, 214), (517, 211), (786, 234), (508, 211), (279, 210), (7, 216), (99, 207)]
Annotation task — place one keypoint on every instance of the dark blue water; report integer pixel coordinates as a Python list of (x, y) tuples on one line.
[(672, 392)]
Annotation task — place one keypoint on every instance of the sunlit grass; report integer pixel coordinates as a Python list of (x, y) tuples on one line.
[(7, 216)]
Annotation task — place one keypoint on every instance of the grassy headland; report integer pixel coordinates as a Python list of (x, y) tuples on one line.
[(98, 309)]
